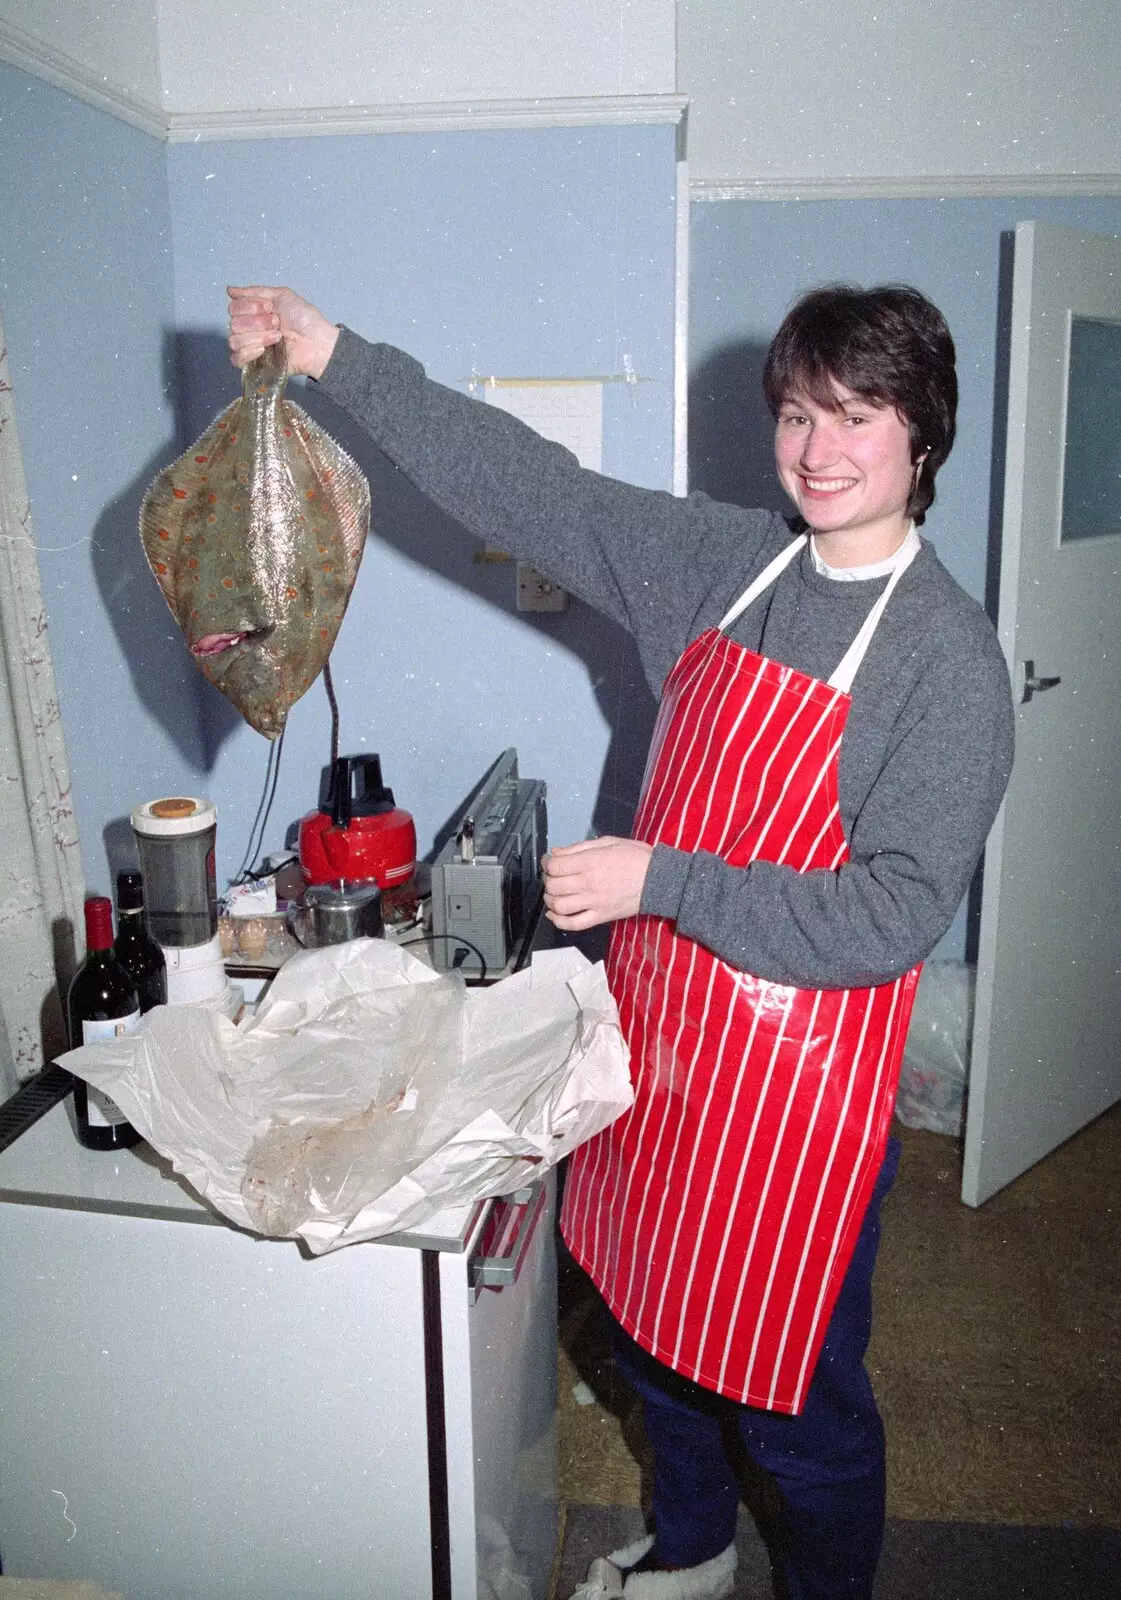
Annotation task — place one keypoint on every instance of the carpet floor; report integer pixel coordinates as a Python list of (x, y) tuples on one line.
[(921, 1560), (995, 1352), (995, 1355)]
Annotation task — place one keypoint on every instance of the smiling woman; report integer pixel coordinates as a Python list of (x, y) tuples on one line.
[(863, 389), (828, 758), (848, 469)]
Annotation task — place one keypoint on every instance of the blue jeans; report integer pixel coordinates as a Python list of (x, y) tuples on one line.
[(827, 1465)]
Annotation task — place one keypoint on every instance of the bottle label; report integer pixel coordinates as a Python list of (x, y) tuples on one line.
[(101, 1109)]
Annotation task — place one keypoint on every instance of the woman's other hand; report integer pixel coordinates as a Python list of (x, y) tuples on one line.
[(260, 315), (597, 881)]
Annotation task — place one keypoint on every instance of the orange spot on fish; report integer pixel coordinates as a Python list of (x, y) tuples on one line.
[(160, 567), (292, 593), (327, 567), (180, 494), (287, 433), (202, 460), (227, 583), (192, 563), (163, 534), (223, 424), (211, 499), (323, 633), (311, 494)]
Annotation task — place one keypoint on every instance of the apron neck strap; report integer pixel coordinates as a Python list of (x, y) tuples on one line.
[(850, 662), (763, 581)]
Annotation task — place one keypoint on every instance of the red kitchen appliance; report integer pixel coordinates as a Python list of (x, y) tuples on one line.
[(358, 833)]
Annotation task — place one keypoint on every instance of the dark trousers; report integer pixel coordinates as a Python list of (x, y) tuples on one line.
[(825, 1467)]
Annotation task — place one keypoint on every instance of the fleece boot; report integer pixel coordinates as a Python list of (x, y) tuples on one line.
[(613, 1578)]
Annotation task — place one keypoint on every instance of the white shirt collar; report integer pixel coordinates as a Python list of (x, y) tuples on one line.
[(874, 569)]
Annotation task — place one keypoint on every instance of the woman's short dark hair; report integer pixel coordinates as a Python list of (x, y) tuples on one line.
[(889, 344)]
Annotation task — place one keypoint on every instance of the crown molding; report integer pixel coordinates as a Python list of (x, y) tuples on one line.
[(981, 186), (55, 67), (62, 71), (443, 116)]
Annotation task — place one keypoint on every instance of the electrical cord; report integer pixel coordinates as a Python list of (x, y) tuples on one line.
[(452, 938), (329, 685), (272, 772), (260, 822)]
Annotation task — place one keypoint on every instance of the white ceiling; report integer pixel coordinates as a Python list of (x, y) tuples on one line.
[(873, 91), (787, 97), (302, 53)]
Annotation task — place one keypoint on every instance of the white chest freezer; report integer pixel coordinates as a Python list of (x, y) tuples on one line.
[(189, 1412)]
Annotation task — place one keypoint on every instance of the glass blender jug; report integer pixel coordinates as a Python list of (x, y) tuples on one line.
[(175, 840)]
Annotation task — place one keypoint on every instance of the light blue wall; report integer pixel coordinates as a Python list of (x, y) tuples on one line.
[(86, 293), (751, 259), (542, 254)]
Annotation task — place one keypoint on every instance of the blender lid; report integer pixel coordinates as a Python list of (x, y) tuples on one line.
[(174, 816), (353, 787)]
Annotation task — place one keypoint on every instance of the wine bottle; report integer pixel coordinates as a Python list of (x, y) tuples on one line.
[(102, 1002), (134, 946)]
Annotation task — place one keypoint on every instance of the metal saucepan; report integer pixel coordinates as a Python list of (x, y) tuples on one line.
[(332, 913)]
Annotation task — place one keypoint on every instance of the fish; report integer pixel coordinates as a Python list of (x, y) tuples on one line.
[(255, 536)]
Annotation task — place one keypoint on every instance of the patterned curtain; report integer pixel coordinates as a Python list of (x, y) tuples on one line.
[(41, 881)]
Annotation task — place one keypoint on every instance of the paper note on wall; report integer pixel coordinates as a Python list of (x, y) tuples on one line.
[(569, 413)]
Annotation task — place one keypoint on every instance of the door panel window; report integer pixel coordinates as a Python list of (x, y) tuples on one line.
[(1092, 451)]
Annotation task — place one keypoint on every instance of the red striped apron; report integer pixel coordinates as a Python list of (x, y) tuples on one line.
[(719, 1215)]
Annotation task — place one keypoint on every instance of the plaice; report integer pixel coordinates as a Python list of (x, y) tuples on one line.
[(255, 536)]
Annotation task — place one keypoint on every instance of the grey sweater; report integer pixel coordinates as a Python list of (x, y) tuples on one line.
[(927, 749)]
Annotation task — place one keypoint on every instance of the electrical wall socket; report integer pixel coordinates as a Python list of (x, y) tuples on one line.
[(538, 593)]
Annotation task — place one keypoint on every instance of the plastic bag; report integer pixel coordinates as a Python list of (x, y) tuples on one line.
[(935, 1071), (368, 1093)]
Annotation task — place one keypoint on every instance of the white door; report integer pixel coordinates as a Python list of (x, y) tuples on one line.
[(1046, 1055)]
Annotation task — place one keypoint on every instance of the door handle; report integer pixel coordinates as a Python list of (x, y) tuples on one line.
[(1030, 684), (505, 1240)]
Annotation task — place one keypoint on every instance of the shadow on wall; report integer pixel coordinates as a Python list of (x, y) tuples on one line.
[(196, 718), (731, 432)]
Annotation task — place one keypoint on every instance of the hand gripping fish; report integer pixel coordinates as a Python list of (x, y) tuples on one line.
[(255, 536)]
